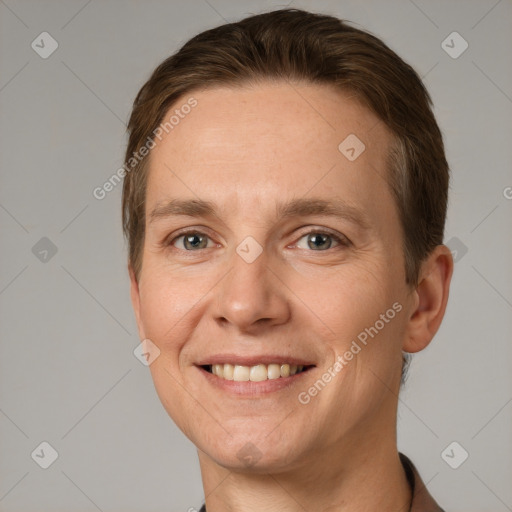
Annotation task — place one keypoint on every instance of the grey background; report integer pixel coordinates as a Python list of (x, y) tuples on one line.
[(68, 375)]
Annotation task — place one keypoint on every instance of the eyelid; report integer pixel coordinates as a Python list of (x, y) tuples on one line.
[(339, 237), (202, 230)]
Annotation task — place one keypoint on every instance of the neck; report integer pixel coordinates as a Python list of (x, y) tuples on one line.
[(360, 475)]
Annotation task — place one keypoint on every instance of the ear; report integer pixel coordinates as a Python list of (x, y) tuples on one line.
[(431, 297), (135, 296)]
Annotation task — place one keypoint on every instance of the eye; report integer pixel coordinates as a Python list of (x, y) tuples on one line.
[(316, 240), (321, 241), (192, 240)]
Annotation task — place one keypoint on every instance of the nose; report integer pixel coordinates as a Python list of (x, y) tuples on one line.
[(251, 297)]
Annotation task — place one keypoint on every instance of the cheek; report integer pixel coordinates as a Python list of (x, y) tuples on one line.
[(347, 307), (165, 303), (167, 306), (348, 298), (359, 312)]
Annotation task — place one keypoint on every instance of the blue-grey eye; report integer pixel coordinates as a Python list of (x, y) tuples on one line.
[(318, 241), (192, 240)]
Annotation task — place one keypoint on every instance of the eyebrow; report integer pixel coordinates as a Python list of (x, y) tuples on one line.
[(301, 207)]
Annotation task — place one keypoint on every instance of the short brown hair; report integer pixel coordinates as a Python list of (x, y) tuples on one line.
[(296, 45)]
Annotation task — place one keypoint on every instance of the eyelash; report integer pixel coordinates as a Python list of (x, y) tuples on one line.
[(342, 241)]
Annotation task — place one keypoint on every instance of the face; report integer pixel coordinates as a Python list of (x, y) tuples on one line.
[(269, 250)]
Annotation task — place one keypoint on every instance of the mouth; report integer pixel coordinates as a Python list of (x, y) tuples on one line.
[(256, 373)]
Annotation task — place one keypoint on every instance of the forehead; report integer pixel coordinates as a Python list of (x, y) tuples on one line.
[(249, 142)]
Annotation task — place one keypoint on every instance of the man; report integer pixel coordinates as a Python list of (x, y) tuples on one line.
[(284, 203)]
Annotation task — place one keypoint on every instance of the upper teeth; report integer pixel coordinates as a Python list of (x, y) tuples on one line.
[(255, 373)]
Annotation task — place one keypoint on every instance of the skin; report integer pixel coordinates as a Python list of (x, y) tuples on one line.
[(245, 149)]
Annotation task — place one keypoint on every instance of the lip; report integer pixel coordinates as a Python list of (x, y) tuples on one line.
[(249, 389), (252, 360)]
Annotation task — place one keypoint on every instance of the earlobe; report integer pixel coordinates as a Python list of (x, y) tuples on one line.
[(135, 297), (431, 297)]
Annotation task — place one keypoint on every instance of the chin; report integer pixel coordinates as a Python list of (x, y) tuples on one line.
[(250, 451), (251, 459)]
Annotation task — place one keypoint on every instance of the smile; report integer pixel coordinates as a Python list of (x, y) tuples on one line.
[(256, 373)]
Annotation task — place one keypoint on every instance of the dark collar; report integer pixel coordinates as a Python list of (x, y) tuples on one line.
[(422, 501)]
